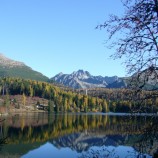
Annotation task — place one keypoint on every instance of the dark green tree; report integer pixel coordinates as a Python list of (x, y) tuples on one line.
[(50, 106)]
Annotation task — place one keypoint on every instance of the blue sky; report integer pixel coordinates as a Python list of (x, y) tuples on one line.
[(53, 36)]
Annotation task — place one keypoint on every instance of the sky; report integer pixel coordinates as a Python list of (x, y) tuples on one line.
[(53, 36)]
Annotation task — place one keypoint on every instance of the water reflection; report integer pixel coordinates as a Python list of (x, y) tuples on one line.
[(53, 152), (113, 152), (76, 134), (94, 152), (2, 138)]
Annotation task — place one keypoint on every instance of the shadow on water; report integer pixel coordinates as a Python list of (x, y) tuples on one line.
[(2, 137), (141, 133), (89, 135)]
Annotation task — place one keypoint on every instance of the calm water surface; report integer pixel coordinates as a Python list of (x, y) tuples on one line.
[(39, 135)]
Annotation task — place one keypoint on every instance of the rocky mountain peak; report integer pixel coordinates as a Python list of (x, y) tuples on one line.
[(83, 79), (60, 74), (81, 74), (6, 62)]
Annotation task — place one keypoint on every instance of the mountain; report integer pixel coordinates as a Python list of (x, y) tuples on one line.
[(11, 68), (84, 141), (119, 83), (83, 79), (146, 79)]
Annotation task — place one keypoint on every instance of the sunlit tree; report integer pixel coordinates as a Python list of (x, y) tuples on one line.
[(135, 37), (105, 106)]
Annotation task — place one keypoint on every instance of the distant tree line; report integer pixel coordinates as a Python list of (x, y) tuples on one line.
[(59, 100), (126, 100), (65, 100)]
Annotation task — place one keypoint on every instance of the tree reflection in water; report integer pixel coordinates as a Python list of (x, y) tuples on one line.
[(2, 138), (83, 132), (144, 141), (148, 141)]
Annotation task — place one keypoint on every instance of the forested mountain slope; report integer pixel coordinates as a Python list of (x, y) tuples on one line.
[(11, 68)]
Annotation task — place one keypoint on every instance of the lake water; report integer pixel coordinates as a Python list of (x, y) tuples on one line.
[(95, 135)]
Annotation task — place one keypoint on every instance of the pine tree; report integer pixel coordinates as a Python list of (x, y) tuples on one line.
[(105, 106), (50, 106)]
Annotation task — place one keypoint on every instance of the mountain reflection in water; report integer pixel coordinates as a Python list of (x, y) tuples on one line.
[(76, 135)]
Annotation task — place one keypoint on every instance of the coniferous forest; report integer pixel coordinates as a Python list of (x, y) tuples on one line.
[(62, 99)]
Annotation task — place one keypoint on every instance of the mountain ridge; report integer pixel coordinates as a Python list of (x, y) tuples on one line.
[(83, 79), (12, 68), (80, 79), (9, 62)]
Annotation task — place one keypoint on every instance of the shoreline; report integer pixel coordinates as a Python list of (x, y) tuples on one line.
[(24, 111)]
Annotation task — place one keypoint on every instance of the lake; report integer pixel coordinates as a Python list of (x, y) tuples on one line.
[(96, 135)]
